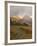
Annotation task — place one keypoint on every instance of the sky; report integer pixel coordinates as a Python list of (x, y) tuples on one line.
[(20, 10)]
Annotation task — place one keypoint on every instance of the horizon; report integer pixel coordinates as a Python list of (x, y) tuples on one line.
[(21, 17)]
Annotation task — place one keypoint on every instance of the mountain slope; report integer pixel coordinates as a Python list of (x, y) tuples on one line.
[(26, 19)]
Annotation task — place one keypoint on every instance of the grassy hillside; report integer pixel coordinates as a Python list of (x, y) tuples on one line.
[(20, 32)]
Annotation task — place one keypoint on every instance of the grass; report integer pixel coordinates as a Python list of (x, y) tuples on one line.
[(20, 32)]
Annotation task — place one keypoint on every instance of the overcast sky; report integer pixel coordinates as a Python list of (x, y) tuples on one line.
[(20, 10)]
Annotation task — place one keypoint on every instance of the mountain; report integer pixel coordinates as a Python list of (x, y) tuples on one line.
[(26, 19), (20, 19)]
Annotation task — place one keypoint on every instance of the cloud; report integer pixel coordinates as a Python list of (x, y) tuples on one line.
[(20, 10)]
